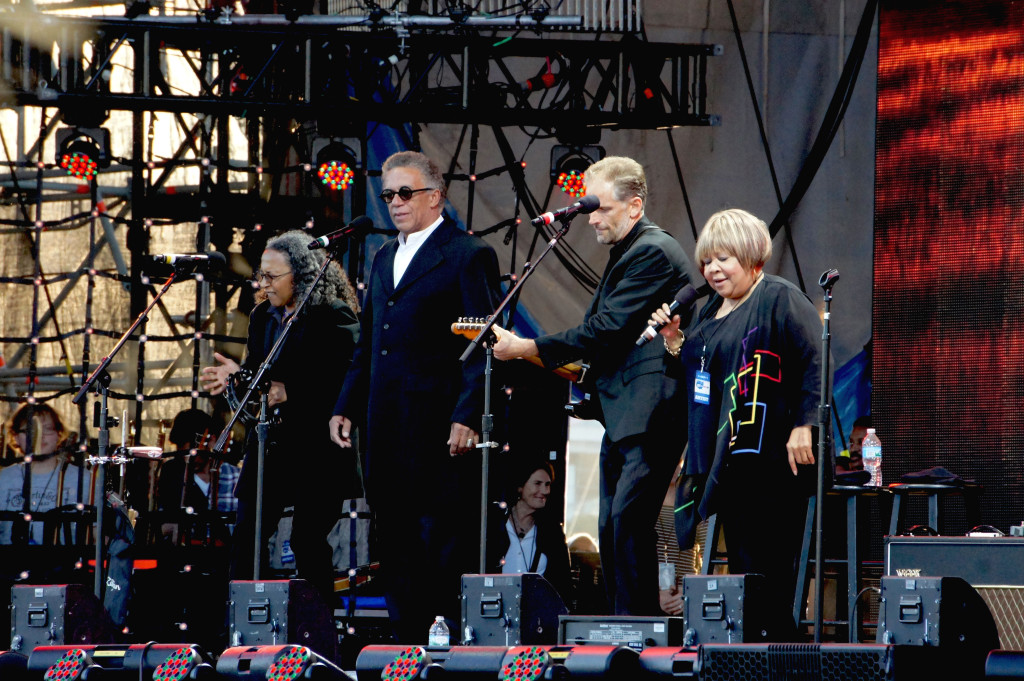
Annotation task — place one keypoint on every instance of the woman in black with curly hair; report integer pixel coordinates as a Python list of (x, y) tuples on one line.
[(303, 468)]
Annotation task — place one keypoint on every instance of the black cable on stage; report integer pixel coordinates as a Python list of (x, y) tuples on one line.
[(833, 117), (764, 140), (682, 184)]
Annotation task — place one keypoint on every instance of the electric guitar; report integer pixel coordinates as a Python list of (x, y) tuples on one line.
[(469, 327)]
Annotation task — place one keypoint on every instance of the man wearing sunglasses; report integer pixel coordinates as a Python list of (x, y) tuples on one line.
[(418, 405)]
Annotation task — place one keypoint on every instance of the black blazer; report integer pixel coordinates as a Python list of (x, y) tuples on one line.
[(550, 541), (301, 444), (406, 383), (644, 270)]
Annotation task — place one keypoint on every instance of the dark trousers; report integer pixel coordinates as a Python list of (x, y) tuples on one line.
[(635, 474), (313, 518), (763, 526), (422, 560)]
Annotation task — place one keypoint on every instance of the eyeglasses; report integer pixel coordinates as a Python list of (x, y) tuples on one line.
[(260, 275), (388, 195)]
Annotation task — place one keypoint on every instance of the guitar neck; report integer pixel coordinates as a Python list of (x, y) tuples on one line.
[(571, 372)]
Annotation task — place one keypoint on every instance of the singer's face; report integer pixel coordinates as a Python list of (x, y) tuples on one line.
[(727, 275), (613, 220), (536, 490), (422, 208), (281, 291)]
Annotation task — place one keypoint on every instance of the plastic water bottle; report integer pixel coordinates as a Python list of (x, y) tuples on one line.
[(438, 636), (871, 453)]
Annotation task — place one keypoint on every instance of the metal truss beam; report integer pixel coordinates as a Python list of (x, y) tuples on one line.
[(324, 68)]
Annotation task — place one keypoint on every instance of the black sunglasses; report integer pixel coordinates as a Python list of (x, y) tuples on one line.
[(388, 195)]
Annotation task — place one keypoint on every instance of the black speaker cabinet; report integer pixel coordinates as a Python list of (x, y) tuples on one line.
[(944, 612), (281, 611), (724, 609), (509, 610), (57, 614), (796, 662), (990, 564), (635, 632)]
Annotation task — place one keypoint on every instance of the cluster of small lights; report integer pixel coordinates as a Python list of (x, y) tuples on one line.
[(177, 666), (337, 176), (572, 183), (290, 664), (69, 666), (79, 165), (406, 666), (527, 665)]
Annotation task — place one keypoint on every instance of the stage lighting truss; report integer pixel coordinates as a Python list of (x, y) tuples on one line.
[(335, 163), (81, 152), (568, 165)]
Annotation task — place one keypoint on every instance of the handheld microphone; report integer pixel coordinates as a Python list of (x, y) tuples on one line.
[(684, 297), (210, 259), (360, 225), (588, 204)]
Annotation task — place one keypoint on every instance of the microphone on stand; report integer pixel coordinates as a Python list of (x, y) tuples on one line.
[(588, 204), (208, 260), (684, 298), (360, 225)]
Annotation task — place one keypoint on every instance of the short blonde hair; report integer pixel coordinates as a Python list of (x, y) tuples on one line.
[(626, 176), (737, 233)]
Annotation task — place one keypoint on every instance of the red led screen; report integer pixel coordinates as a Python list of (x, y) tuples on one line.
[(948, 322)]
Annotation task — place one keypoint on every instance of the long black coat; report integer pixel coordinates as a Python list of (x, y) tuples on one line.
[(406, 383)]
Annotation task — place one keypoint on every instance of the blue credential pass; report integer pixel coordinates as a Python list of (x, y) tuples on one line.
[(702, 388)]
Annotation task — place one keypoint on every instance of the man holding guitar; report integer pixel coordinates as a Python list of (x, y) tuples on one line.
[(643, 437)]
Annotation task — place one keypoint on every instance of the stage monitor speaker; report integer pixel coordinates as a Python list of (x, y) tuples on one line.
[(278, 612), (13, 666), (989, 564), (796, 662), (57, 614), (724, 609), (635, 632), (510, 610), (944, 612)]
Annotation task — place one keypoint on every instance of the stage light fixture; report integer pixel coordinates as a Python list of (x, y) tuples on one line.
[(277, 663), (407, 665), (81, 152), (141, 661), (569, 164), (335, 163)]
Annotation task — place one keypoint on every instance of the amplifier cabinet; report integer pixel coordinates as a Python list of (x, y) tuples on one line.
[(990, 564), (635, 632)]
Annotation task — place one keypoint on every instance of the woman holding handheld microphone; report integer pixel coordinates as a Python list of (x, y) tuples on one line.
[(751, 364)]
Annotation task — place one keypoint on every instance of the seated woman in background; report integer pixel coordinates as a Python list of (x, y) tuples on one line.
[(529, 539), (39, 438)]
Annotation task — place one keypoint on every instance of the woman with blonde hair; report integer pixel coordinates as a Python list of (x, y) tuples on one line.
[(752, 363)]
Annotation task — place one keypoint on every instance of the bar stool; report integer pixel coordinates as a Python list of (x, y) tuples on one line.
[(934, 492), (854, 562)]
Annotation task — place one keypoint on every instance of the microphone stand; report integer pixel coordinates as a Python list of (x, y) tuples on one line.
[(258, 382), (487, 420), (100, 378), (827, 281)]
